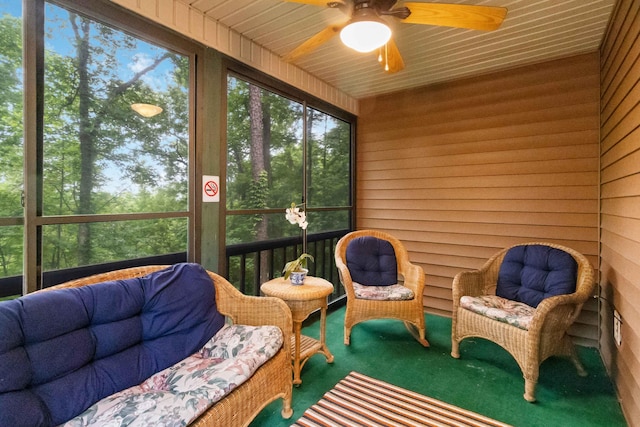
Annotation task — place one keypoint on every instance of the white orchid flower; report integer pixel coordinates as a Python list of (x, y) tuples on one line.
[(292, 215), (295, 216)]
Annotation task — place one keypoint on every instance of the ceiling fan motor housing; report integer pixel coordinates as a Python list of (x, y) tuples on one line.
[(367, 29)]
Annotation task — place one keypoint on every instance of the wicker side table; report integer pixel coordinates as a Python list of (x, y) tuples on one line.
[(303, 300)]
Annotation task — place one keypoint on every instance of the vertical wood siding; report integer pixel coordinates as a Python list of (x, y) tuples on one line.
[(460, 170), (620, 202)]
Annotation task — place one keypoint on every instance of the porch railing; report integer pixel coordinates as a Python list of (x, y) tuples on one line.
[(251, 264), (243, 261), (12, 285)]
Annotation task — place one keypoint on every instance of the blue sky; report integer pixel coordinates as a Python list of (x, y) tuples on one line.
[(130, 61), (12, 7)]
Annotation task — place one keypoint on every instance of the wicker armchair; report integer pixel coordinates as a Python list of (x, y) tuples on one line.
[(358, 310), (272, 381), (547, 331)]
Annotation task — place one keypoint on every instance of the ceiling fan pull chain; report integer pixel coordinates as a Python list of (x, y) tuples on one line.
[(380, 55), (386, 57)]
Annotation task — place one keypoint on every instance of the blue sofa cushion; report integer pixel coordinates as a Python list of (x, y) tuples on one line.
[(531, 273), (63, 350), (372, 261)]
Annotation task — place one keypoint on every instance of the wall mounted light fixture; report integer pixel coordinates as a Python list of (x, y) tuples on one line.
[(146, 110)]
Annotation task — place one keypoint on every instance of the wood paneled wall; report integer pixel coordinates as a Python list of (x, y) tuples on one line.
[(620, 201), (460, 170)]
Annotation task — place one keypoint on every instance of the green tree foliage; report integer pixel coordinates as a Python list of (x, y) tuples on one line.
[(328, 170), (280, 180), (99, 156), (327, 165), (11, 147)]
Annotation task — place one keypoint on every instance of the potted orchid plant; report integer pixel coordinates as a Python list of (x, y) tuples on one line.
[(296, 270)]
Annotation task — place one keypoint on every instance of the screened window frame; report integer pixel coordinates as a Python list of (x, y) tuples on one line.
[(33, 219), (241, 71), (112, 14)]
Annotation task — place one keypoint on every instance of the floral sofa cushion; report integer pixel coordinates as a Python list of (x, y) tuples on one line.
[(383, 293), (514, 313), (177, 395)]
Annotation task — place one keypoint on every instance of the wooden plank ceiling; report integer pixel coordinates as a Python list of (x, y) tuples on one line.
[(534, 31)]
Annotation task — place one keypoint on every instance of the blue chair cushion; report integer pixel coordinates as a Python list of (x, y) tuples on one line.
[(531, 273), (63, 350), (372, 261)]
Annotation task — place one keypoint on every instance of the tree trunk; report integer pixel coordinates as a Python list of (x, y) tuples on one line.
[(87, 149), (258, 169), (266, 137), (89, 128), (308, 167)]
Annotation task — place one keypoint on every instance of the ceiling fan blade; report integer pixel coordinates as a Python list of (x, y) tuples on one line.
[(316, 2), (311, 44), (485, 18), (390, 57)]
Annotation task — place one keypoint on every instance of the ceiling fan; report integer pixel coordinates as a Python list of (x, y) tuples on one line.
[(367, 30)]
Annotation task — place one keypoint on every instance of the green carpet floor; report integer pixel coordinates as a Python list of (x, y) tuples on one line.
[(486, 379)]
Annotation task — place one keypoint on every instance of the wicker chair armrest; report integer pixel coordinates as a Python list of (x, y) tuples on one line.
[(413, 278), (468, 283), (560, 311), (557, 312), (478, 282), (550, 303), (340, 263), (250, 310), (345, 277)]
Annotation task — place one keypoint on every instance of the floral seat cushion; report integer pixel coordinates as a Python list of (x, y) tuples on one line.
[(177, 395), (383, 293), (514, 313)]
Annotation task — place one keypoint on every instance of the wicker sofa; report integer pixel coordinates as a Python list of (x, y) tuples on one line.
[(170, 316)]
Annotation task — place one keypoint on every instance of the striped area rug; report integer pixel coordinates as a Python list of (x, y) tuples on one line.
[(359, 400)]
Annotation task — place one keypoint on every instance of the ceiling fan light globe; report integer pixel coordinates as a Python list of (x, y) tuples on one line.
[(365, 36)]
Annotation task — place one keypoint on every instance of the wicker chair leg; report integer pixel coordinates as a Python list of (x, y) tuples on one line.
[(577, 363), (286, 412), (455, 349), (530, 390), (455, 343), (347, 335), (417, 333)]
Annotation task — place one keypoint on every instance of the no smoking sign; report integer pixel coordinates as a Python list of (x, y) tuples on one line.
[(210, 188)]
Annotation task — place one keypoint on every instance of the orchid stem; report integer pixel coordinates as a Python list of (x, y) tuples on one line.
[(304, 241)]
